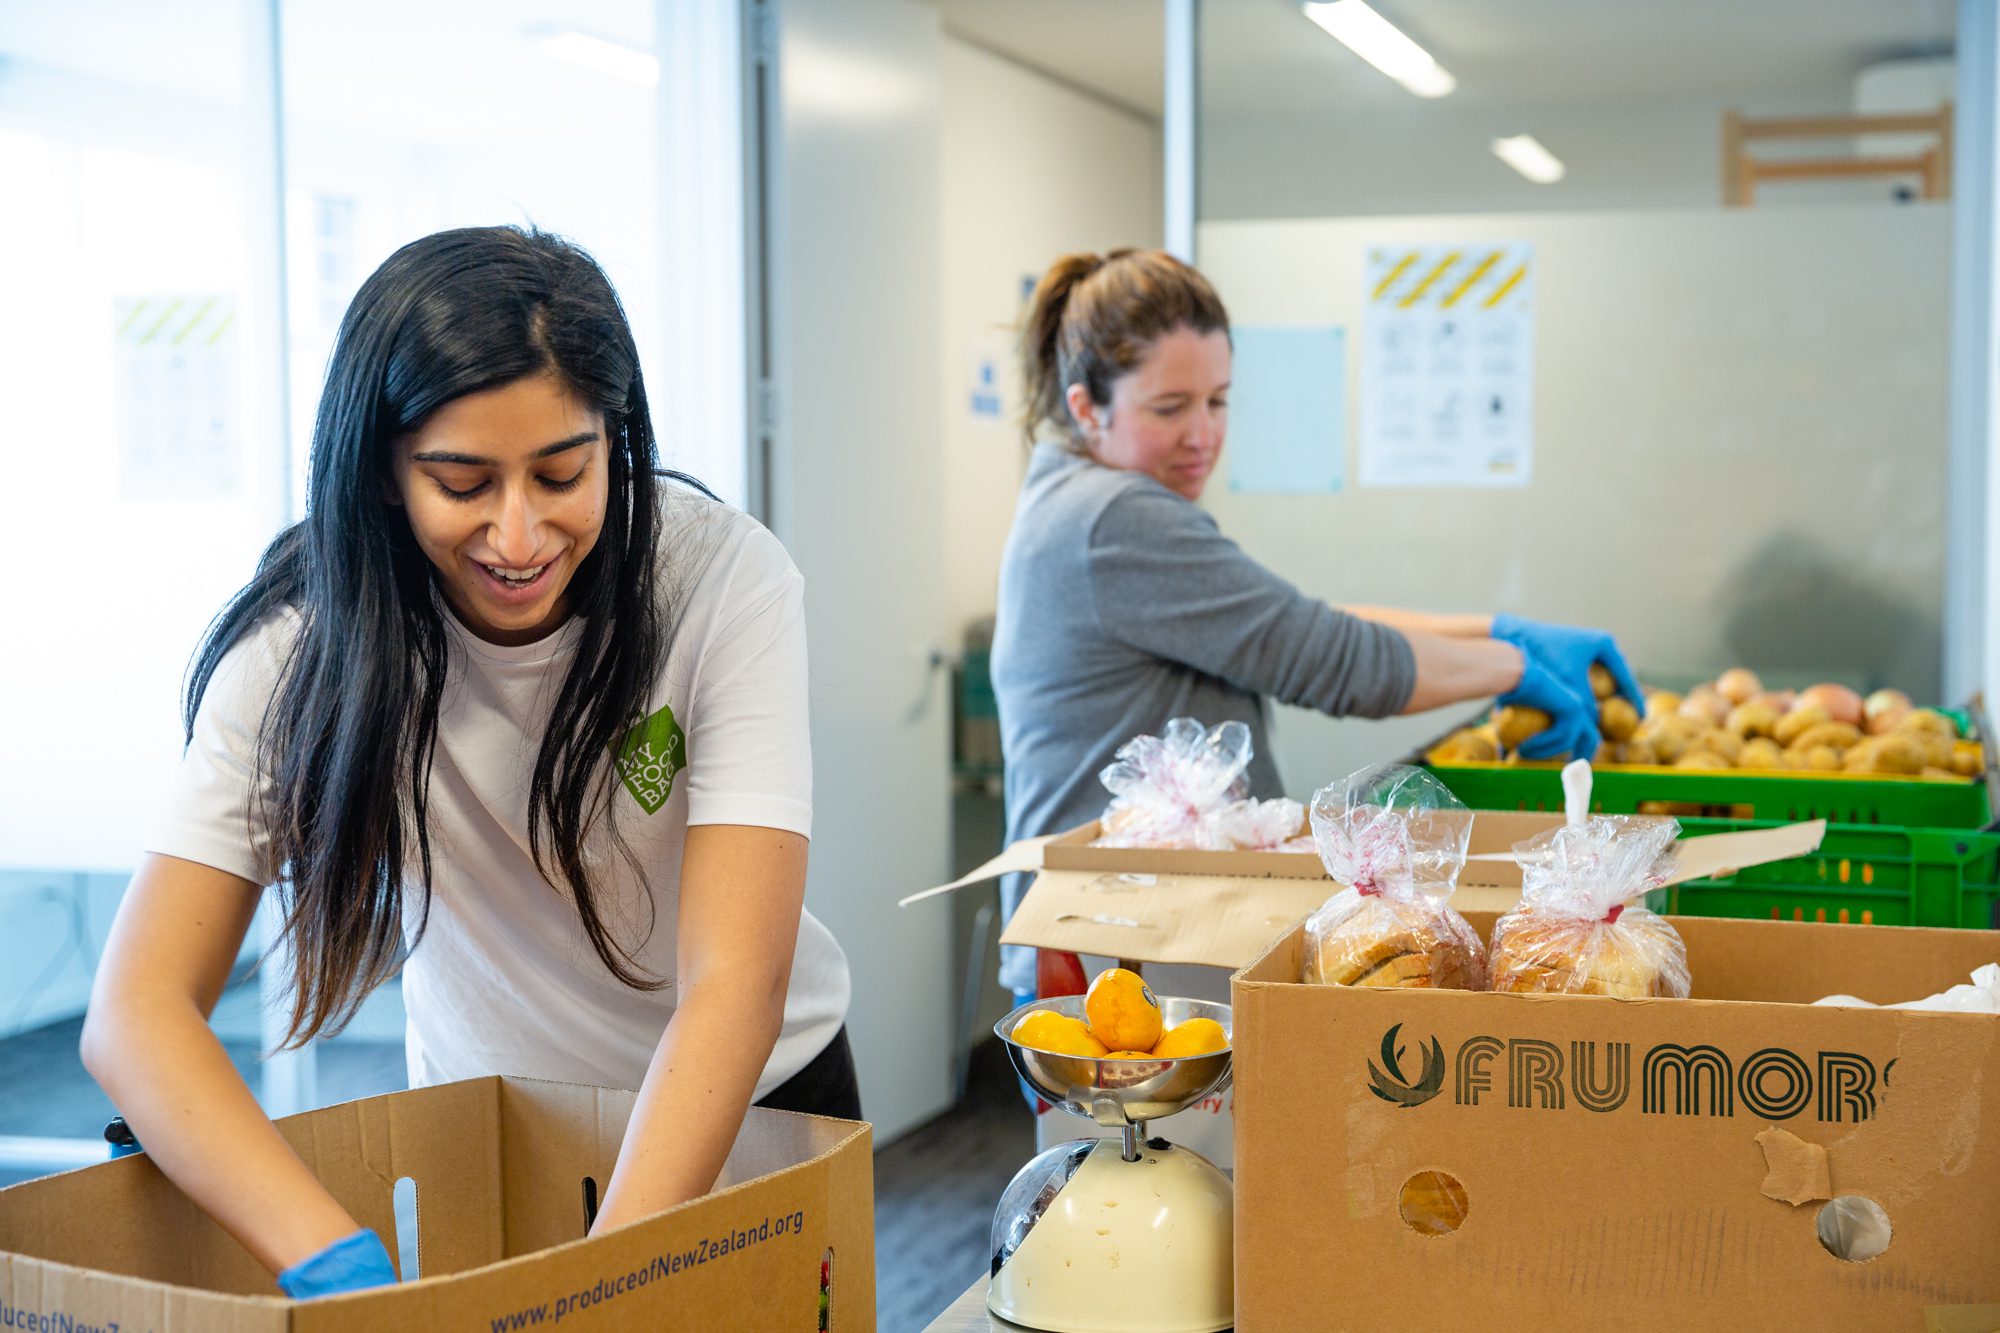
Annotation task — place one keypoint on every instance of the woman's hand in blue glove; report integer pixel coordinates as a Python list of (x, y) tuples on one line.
[(353, 1263), (1569, 652), (1574, 729)]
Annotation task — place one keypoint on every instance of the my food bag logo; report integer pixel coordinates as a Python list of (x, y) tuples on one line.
[(1528, 1073), (650, 757)]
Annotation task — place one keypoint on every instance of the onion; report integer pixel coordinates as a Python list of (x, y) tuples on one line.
[(1883, 710), (1841, 704), (1739, 685)]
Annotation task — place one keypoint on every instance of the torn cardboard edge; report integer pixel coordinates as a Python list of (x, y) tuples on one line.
[(1795, 1171)]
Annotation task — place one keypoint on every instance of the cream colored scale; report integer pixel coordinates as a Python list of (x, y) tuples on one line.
[(1125, 1235)]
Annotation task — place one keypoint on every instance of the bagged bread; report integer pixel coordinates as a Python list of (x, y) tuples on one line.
[(1396, 838), (1579, 929), (1186, 788)]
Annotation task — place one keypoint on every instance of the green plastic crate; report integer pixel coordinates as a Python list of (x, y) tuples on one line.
[(1721, 795), (1875, 874)]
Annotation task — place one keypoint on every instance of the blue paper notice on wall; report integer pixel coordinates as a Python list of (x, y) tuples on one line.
[(1288, 410)]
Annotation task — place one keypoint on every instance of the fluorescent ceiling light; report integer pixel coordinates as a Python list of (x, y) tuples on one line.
[(599, 54), (1383, 45), (1525, 154)]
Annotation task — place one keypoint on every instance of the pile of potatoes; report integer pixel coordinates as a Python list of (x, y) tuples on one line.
[(1734, 722)]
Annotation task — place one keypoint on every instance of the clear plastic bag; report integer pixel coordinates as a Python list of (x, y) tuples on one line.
[(1396, 838), (1186, 788), (1579, 929)]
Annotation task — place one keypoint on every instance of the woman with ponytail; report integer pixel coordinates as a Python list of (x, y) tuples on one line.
[(511, 703), (1123, 605)]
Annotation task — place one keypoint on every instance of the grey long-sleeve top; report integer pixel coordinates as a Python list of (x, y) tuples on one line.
[(1122, 605)]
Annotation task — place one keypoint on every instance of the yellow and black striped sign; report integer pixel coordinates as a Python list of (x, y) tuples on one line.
[(1432, 278)]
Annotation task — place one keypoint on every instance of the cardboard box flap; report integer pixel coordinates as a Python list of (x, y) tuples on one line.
[(1691, 858), (1022, 856), (1215, 921)]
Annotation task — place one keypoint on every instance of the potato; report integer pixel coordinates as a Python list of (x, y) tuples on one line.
[(1517, 724), (1840, 735), (1755, 718), (1703, 704), (1928, 720), (1617, 718), (1882, 710), (1797, 723), (1821, 758), (1890, 754), (1639, 752), (1939, 775), (1701, 759), (1662, 703), (1739, 685), (1602, 683), (1670, 736), (1466, 747), (1717, 741), (1760, 752), (1968, 758)]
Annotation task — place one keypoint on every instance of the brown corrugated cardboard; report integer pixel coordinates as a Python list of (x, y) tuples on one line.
[(499, 1167), (1609, 1149)]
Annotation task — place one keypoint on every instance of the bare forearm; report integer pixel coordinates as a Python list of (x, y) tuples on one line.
[(693, 1100), (1453, 670), (1423, 622), (165, 1070)]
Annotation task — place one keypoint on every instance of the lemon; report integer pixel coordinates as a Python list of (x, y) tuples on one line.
[(1058, 1034), (1122, 1011), (1197, 1036)]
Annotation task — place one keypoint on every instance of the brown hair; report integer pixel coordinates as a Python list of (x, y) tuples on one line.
[(1093, 317)]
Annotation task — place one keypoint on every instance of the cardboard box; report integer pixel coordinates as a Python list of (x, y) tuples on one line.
[(1609, 1150), (499, 1166)]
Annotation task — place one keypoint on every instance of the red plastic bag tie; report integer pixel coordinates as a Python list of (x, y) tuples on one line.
[(1613, 915)]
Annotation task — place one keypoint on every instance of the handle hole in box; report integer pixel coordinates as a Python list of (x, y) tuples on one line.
[(409, 1254), (1853, 1228), (1433, 1203), (589, 1204)]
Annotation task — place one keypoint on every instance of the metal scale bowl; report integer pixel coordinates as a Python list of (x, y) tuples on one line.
[(1117, 1235)]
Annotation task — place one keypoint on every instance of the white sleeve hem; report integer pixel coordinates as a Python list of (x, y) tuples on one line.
[(189, 844), (757, 811)]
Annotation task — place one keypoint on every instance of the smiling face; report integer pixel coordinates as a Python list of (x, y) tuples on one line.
[(506, 491), (1167, 416)]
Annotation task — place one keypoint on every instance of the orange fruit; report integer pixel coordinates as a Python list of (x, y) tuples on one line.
[(1132, 1055), (1197, 1036), (1122, 1011), (1058, 1034)]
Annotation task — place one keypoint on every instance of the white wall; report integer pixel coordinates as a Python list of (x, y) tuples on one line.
[(1739, 446), (1032, 169)]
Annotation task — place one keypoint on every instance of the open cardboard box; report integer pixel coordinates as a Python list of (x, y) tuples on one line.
[(1608, 1148), (1618, 1157), (499, 1167), (1220, 909)]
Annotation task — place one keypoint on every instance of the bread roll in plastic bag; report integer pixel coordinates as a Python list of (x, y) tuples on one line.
[(1396, 838), (1185, 789), (1579, 928)]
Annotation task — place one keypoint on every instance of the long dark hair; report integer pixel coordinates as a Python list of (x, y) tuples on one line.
[(1093, 318), (347, 741)]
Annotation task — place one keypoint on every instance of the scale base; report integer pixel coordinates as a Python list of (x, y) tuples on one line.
[(1087, 1242)]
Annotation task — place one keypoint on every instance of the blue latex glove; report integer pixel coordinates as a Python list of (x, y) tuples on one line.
[(1569, 651), (1574, 730), (353, 1263)]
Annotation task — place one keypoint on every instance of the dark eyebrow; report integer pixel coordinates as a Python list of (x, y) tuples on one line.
[(474, 460)]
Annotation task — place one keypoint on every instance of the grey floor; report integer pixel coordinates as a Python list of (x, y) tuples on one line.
[(935, 1187)]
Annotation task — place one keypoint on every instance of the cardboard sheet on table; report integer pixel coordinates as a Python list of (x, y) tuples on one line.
[(1215, 921)]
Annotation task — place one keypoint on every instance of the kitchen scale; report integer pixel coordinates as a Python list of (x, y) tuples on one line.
[(1118, 1235)]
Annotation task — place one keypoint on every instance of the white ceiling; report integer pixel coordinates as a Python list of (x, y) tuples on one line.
[(1262, 57)]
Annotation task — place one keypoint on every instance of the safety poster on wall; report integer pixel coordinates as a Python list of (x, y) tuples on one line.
[(1448, 366)]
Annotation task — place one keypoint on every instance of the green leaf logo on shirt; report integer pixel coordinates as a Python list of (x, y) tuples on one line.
[(650, 756)]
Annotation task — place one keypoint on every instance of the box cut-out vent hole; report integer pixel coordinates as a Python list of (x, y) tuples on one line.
[(589, 1204), (1433, 1203), (1853, 1228)]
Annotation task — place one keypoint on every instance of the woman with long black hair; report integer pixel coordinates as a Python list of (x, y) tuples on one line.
[(513, 703)]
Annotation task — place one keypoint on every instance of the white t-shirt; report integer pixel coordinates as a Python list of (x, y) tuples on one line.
[(503, 980)]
